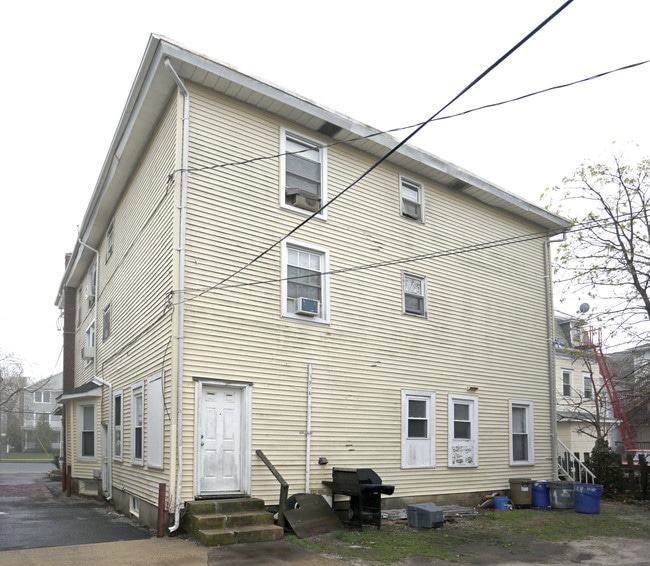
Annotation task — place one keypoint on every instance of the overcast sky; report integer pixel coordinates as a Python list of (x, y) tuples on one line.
[(68, 68)]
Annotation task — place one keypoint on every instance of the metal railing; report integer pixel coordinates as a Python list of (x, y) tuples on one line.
[(284, 487), (571, 467)]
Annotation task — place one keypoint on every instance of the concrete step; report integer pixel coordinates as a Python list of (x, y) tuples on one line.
[(239, 535)]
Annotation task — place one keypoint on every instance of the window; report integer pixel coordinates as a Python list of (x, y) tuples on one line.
[(109, 241), (136, 424), (87, 430), (79, 306), (91, 286), (106, 323), (521, 433), (414, 294), (567, 378), (42, 396), (411, 199), (303, 174), (463, 431), (305, 282), (587, 385), (88, 351), (418, 435), (155, 421), (117, 425)]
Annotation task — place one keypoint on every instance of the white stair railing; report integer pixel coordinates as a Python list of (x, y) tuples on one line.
[(572, 468)]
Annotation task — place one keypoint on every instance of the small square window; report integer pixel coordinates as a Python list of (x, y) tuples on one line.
[(414, 294), (411, 199)]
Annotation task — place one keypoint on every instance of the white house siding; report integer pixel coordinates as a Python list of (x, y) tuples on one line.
[(486, 322), (137, 281)]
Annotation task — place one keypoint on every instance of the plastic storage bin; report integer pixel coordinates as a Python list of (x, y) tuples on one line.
[(500, 502), (561, 494), (424, 515), (587, 497), (521, 493)]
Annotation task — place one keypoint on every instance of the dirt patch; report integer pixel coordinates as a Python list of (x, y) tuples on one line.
[(26, 490)]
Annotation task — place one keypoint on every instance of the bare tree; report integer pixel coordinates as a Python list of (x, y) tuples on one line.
[(12, 384), (606, 255)]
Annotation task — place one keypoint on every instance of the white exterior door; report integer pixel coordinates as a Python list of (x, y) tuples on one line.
[(222, 440)]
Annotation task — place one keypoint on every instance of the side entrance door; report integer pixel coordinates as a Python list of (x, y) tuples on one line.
[(222, 440)]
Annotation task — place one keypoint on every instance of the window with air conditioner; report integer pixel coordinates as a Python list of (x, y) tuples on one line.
[(88, 349), (305, 283), (303, 174), (412, 200)]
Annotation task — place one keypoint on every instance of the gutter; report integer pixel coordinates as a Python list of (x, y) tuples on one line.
[(108, 493), (181, 292)]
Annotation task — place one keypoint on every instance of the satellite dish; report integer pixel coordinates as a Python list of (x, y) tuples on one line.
[(584, 307)]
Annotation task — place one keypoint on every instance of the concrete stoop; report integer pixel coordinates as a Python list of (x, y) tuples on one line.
[(230, 521)]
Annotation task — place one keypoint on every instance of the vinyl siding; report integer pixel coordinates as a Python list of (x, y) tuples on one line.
[(485, 324), (137, 282)]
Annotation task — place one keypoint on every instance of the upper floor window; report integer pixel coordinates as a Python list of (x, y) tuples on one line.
[(411, 195), (91, 285), (521, 432), (109, 240), (305, 292), (414, 294), (567, 385), (303, 174), (588, 387), (79, 306), (88, 351), (106, 323), (42, 396)]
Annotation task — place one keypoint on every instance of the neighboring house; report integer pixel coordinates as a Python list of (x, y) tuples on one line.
[(578, 385), (404, 328), (39, 402), (631, 371)]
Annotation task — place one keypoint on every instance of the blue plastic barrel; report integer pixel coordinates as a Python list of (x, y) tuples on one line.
[(500, 502), (541, 496), (587, 497)]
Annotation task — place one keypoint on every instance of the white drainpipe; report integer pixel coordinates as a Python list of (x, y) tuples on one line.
[(181, 291), (108, 494), (308, 431)]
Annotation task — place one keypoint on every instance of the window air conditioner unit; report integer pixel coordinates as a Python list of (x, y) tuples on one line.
[(310, 307), (88, 352)]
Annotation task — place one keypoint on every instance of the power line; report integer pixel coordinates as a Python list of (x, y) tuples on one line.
[(395, 148), (350, 140)]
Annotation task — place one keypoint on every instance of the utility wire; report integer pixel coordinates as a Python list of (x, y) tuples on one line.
[(395, 148), (402, 128)]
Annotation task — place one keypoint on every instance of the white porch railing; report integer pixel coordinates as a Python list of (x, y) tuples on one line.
[(570, 467)]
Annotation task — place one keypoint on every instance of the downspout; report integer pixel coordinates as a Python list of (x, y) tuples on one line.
[(308, 431), (108, 494), (181, 292), (550, 325)]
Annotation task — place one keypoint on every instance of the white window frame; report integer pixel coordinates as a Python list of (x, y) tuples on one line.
[(406, 290), (118, 426), (406, 201), (287, 312), (82, 430), (106, 322), (530, 431), (567, 373), (587, 386), (79, 305), (90, 338), (40, 394), (418, 452), (463, 452), (91, 287), (137, 424), (322, 154), (155, 421), (110, 240)]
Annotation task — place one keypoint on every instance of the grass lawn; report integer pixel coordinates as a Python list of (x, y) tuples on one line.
[(496, 536), (26, 457)]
